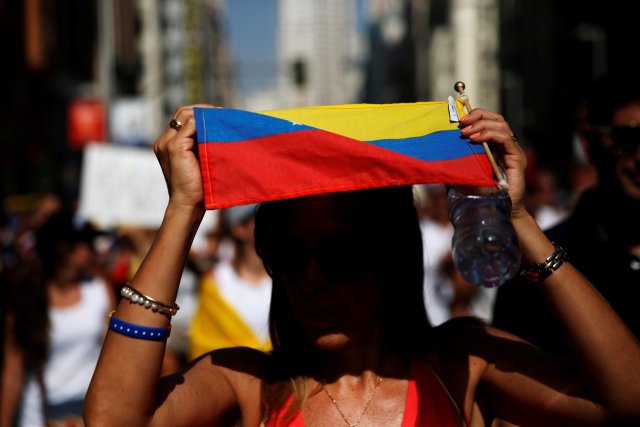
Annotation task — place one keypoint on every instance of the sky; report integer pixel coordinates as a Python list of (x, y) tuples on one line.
[(251, 26)]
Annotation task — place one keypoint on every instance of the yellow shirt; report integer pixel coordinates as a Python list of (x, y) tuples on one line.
[(216, 324)]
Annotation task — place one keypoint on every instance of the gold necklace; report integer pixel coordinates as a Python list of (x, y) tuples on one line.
[(366, 405)]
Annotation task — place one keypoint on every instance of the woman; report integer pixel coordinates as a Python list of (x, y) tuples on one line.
[(352, 345), (54, 328)]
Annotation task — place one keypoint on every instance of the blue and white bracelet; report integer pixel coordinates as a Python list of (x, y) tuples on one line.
[(138, 331)]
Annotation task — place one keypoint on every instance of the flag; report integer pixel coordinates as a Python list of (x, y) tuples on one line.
[(249, 157)]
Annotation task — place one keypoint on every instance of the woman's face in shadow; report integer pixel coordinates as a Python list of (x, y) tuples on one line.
[(331, 270)]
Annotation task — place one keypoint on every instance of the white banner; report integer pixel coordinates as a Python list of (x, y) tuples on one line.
[(122, 186)]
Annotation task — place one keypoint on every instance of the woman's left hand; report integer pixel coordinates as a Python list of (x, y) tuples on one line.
[(485, 126)]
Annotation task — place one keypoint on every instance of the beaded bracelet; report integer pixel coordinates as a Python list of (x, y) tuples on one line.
[(138, 331), (138, 297)]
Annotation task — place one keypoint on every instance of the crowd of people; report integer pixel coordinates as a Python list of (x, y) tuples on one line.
[(602, 233), (325, 310), (62, 276), (53, 318)]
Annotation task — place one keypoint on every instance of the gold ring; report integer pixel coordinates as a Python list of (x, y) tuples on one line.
[(175, 124)]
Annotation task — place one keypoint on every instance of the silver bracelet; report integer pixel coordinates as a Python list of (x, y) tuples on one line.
[(536, 273), (138, 297)]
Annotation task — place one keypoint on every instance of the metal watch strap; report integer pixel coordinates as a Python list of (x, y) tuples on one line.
[(536, 273)]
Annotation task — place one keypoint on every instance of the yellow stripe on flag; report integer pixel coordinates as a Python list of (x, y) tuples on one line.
[(374, 121)]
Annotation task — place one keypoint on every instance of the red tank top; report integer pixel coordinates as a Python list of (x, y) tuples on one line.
[(428, 403)]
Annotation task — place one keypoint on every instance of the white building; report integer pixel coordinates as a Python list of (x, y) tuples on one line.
[(319, 50), (466, 48)]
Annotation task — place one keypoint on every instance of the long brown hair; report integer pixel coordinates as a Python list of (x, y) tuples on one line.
[(28, 302), (389, 217)]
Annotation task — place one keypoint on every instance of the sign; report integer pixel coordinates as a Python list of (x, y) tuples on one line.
[(122, 186), (131, 121), (86, 122)]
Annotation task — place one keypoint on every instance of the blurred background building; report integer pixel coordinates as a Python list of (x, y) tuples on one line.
[(318, 53), (113, 71)]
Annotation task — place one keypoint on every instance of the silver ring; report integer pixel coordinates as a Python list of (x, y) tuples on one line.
[(513, 137), (175, 124)]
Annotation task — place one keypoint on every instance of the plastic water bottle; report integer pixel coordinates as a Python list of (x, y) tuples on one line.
[(485, 244)]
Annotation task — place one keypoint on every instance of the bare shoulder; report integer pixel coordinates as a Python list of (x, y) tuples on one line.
[(459, 335), (464, 349), (496, 373), (457, 349), (241, 360), (221, 386), (471, 336)]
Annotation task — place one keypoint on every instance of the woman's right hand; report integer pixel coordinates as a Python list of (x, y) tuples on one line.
[(485, 126), (175, 150)]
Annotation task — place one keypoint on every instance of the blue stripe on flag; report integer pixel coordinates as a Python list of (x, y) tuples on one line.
[(440, 145), (238, 125)]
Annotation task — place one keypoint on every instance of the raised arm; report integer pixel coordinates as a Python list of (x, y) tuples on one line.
[(125, 389), (607, 386)]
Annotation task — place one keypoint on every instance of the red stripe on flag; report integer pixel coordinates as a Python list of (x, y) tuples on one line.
[(304, 163)]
